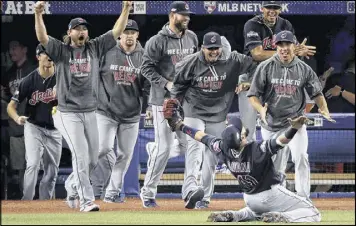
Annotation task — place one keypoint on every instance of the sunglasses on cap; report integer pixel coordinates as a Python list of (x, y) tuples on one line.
[(213, 48), (274, 7)]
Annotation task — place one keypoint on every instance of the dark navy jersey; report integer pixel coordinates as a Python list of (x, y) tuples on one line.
[(257, 33), (253, 166), (40, 98)]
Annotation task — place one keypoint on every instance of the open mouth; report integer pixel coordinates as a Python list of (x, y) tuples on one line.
[(81, 38)]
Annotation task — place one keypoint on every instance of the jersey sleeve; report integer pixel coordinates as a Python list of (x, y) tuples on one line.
[(270, 147), (251, 35), (213, 143), (54, 49), (313, 85), (22, 91), (104, 43)]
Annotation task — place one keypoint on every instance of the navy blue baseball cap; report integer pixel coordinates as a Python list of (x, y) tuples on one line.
[(212, 40), (232, 134), (285, 36), (76, 22), (180, 7), (40, 49), (131, 25), (272, 4)]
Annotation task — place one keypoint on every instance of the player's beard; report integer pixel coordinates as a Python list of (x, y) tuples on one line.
[(181, 26)]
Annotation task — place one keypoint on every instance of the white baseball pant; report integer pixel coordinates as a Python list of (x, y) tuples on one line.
[(298, 146), (198, 155), (41, 143), (157, 162), (80, 130)]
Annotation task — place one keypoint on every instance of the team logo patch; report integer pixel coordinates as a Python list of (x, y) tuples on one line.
[(129, 23), (284, 35), (210, 6), (213, 39), (251, 34), (81, 20), (186, 6)]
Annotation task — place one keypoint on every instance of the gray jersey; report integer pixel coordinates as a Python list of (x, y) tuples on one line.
[(78, 71), (162, 52), (121, 85), (282, 87), (207, 90)]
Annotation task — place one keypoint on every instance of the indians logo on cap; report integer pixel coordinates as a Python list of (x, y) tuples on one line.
[(129, 23), (81, 20), (213, 39), (210, 6), (284, 35), (186, 6)]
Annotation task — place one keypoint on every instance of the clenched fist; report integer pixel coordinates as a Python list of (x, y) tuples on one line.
[(127, 4), (39, 7)]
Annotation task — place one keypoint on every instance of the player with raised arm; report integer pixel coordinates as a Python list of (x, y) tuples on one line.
[(251, 164), (77, 63), (119, 110), (279, 83), (42, 140)]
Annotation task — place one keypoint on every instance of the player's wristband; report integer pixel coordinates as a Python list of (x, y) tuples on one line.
[(342, 90), (189, 131), (289, 134)]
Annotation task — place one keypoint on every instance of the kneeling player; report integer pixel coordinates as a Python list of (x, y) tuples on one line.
[(251, 164)]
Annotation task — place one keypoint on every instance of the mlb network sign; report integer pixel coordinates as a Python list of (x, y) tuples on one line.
[(211, 6)]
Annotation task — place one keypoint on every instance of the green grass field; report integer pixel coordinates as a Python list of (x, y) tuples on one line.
[(335, 217)]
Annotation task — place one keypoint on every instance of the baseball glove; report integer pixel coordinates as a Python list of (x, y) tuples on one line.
[(298, 122), (173, 112)]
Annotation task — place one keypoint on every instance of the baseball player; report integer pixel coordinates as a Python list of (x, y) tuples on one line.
[(77, 64), (119, 111), (280, 82), (162, 52), (21, 67), (42, 140), (259, 34), (251, 164), (205, 83)]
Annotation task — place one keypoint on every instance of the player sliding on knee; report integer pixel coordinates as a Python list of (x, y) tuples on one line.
[(252, 166)]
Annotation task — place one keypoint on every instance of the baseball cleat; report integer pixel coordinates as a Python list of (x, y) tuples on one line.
[(115, 199), (273, 217), (193, 197), (148, 203), (225, 216), (72, 201), (202, 205), (90, 208)]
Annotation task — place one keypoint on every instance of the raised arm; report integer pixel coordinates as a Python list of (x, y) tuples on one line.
[(120, 24), (40, 27)]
